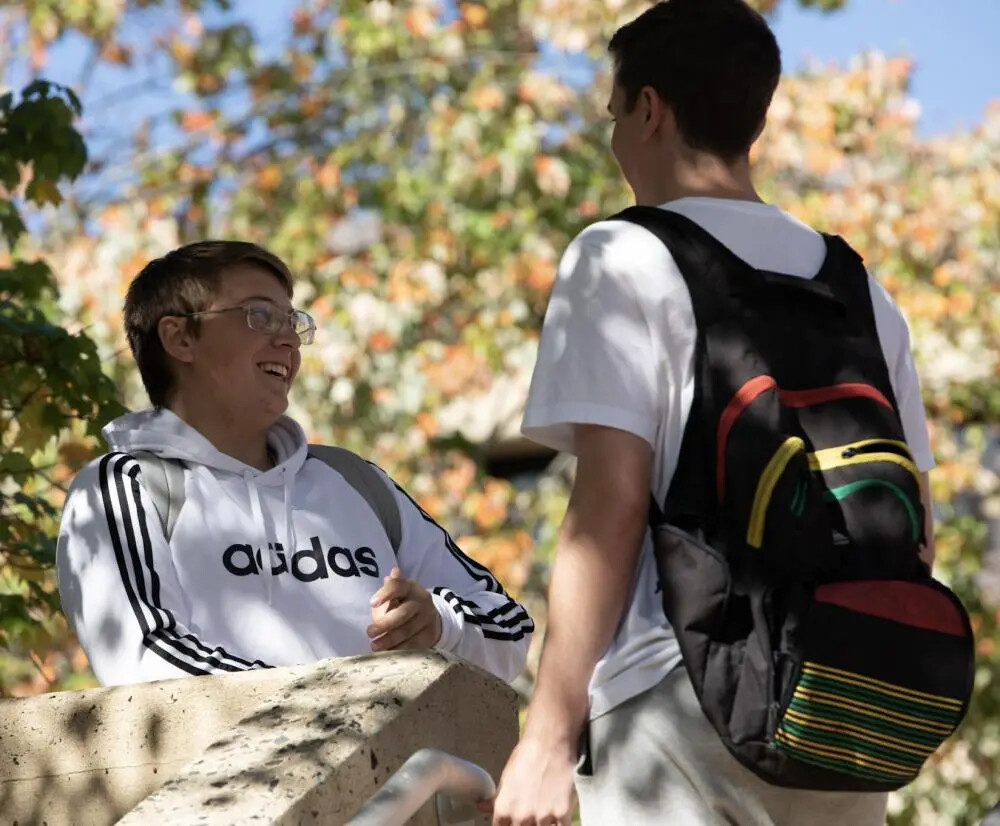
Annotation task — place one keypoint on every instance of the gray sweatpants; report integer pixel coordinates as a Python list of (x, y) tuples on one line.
[(655, 760)]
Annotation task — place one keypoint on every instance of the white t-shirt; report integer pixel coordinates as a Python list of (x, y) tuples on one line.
[(617, 349)]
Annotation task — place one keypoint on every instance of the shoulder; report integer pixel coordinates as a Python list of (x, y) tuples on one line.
[(623, 252), (98, 481), (105, 465), (617, 241)]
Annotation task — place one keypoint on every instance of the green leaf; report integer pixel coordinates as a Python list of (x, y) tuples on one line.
[(14, 463), (27, 280), (11, 225)]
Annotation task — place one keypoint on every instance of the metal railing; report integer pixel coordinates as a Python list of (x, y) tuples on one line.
[(458, 784)]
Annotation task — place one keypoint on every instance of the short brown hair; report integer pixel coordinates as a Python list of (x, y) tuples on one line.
[(184, 280), (715, 63)]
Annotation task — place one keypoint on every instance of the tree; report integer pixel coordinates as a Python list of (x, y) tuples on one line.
[(421, 165), (53, 387)]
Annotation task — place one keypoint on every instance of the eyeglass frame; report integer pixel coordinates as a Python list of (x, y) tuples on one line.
[(306, 337)]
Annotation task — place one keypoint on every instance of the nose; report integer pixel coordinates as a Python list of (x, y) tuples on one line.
[(287, 337)]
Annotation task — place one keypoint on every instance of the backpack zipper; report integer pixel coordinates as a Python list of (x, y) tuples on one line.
[(757, 386), (863, 452)]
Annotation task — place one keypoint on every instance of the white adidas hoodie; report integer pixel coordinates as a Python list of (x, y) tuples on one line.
[(225, 594)]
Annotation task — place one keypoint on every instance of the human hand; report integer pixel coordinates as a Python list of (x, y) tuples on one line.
[(403, 615), (536, 787)]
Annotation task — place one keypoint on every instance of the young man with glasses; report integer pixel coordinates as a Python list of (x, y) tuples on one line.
[(259, 552)]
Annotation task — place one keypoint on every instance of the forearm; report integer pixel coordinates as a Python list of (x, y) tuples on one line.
[(581, 621), (595, 563)]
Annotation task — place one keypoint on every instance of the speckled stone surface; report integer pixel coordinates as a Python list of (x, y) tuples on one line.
[(89, 756), (301, 745), (331, 737)]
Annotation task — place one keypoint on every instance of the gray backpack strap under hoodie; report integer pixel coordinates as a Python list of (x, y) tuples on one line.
[(367, 481), (164, 481)]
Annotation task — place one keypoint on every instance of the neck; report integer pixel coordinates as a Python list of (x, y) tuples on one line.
[(692, 174), (228, 435)]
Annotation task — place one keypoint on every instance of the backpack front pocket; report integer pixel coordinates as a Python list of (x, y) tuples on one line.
[(885, 675), (873, 487)]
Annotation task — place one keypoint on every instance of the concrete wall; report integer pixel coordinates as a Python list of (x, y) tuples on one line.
[(307, 744)]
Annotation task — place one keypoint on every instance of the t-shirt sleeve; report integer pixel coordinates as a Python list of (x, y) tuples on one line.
[(894, 334), (596, 360)]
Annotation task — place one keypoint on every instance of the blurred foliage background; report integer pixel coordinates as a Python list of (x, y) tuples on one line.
[(421, 166)]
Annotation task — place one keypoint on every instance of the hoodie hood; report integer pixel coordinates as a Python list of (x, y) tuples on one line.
[(162, 432)]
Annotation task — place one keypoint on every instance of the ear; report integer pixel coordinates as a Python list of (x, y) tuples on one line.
[(176, 338), (653, 110)]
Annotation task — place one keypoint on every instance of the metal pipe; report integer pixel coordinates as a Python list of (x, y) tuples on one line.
[(425, 773)]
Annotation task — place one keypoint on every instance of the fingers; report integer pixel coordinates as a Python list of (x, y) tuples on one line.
[(412, 627), (403, 615), (527, 820), (395, 587), (392, 618)]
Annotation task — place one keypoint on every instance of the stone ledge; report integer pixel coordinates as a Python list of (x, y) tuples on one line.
[(272, 746)]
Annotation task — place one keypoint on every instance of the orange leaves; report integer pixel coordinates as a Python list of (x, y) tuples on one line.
[(508, 555), (196, 121), (311, 105), (459, 370), (116, 53), (488, 507), (487, 166), (302, 22), (380, 341), (552, 175), (459, 477), (358, 278), (75, 454), (402, 287), (268, 178), (182, 52), (427, 425), (921, 302), (415, 283), (419, 22), (474, 14), (328, 176), (535, 272), (486, 98)]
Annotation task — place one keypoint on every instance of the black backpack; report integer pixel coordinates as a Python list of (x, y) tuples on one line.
[(818, 644)]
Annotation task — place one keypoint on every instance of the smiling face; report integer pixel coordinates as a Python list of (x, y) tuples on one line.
[(242, 375)]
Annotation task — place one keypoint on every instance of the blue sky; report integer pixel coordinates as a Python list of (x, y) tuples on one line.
[(953, 43)]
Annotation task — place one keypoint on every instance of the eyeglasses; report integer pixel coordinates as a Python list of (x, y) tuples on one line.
[(265, 317)]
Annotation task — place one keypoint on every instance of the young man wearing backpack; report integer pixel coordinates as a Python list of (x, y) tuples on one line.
[(714, 351), (213, 538)]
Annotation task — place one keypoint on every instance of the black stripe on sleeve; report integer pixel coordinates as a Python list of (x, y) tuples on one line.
[(474, 569), (134, 557), (169, 629), (510, 629)]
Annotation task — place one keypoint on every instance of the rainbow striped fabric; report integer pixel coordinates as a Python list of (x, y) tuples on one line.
[(865, 727)]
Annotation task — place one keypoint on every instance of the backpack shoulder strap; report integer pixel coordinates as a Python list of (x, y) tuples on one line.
[(361, 476), (164, 482)]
